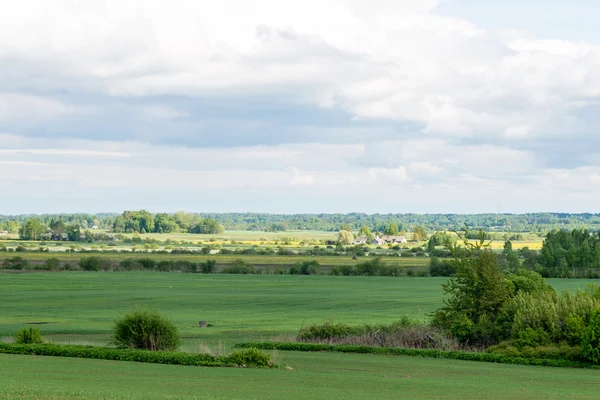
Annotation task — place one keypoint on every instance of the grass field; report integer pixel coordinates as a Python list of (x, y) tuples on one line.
[(79, 307), (314, 376)]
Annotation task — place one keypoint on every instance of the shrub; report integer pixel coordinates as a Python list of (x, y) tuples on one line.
[(17, 262), (305, 268), (208, 267), (147, 329), (241, 267), (590, 342), (328, 330), (251, 356), (52, 264), (90, 263), (29, 335)]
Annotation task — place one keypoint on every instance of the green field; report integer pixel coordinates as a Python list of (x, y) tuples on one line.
[(314, 376), (79, 307)]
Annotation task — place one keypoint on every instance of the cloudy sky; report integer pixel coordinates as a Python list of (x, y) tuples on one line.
[(289, 106)]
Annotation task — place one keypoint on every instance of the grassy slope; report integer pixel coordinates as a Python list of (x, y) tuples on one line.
[(315, 376)]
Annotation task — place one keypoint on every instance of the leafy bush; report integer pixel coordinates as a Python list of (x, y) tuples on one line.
[(240, 267), (52, 264), (29, 335), (439, 267), (133, 355), (305, 268), (326, 331), (90, 263), (250, 356), (208, 267), (17, 262), (590, 342), (147, 329)]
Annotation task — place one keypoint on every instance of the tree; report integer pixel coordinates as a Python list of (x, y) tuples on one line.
[(279, 227), (208, 226), (365, 231), (73, 232), (512, 260), (392, 229), (419, 234), (31, 230), (590, 343), (164, 223), (345, 237), (346, 227), (476, 295)]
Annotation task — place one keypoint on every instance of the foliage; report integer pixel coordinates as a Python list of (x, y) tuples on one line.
[(392, 229), (591, 339), (345, 237), (439, 267), (17, 262), (240, 267), (305, 268), (29, 335), (569, 254), (419, 234), (428, 353), (31, 229), (249, 357), (147, 329), (254, 358)]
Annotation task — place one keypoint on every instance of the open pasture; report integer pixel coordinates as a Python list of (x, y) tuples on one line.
[(314, 376), (80, 306)]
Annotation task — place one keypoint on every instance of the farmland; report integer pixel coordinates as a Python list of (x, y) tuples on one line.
[(314, 376), (79, 307)]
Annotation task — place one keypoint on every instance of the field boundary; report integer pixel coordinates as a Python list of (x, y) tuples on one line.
[(112, 354), (426, 353)]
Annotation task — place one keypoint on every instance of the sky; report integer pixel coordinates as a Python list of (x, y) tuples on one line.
[(285, 106)]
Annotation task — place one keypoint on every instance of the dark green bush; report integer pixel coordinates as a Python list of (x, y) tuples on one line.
[(250, 356), (208, 267), (90, 263), (328, 330), (52, 264), (29, 335), (305, 268), (240, 267), (146, 329), (17, 262)]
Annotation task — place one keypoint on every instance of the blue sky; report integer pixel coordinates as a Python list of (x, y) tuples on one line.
[(288, 107)]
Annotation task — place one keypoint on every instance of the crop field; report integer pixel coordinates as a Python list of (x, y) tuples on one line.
[(79, 307), (314, 376)]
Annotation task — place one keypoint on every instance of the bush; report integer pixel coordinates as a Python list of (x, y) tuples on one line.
[(29, 335), (90, 263), (326, 331), (240, 267), (439, 267), (590, 343), (18, 263), (52, 264), (146, 329), (251, 356), (305, 268), (208, 267)]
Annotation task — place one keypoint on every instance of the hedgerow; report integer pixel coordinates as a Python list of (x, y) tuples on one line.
[(426, 353), (248, 358)]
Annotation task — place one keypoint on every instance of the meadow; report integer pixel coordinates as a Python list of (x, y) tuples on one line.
[(79, 307), (314, 376)]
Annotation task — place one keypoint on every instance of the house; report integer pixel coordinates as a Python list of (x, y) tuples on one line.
[(378, 241), (361, 240), (396, 239)]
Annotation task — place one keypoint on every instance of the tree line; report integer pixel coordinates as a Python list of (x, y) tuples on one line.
[(518, 223)]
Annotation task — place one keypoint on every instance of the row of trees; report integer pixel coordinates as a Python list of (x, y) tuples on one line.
[(145, 222), (494, 223), (346, 234)]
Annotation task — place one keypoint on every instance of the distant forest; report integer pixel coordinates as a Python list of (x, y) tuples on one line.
[(145, 222)]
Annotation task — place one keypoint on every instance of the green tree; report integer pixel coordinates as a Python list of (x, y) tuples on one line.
[(365, 231), (345, 237), (392, 229), (420, 234), (164, 223), (590, 343), (512, 260), (346, 227), (32, 229)]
